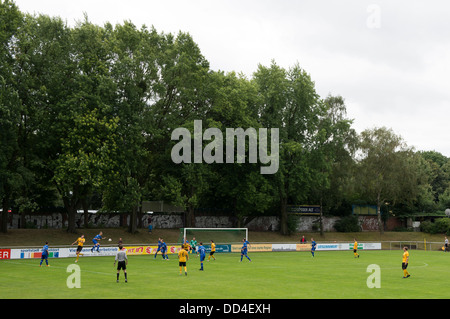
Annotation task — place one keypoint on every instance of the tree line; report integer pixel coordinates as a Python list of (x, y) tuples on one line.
[(87, 112)]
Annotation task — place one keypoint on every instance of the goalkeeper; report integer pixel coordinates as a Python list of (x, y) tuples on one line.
[(193, 245)]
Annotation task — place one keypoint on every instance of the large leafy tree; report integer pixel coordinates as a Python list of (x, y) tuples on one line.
[(180, 98), (90, 110), (387, 170), (81, 129), (288, 101), (439, 172), (34, 60), (333, 147), (86, 157), (134, 72), (240, 187), (10, 109), (9, 151)]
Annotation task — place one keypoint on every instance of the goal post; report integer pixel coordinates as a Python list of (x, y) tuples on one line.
[(218, 235)]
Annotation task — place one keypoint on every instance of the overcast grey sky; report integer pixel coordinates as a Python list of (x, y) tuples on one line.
[(390, 60)]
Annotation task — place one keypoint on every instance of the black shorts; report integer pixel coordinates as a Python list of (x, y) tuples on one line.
[(122, 265), (182, 264), (355, 250), (404, 265), (211, 253), (79, 248)]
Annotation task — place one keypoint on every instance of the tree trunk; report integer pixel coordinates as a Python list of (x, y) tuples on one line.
[(71, 216), (321, 218), (71, 205), (22, 223), (380, 222), (283, 192), (4, 219), (190, 217), (85, 212), (132, 228), (140, 215), (284, 230)]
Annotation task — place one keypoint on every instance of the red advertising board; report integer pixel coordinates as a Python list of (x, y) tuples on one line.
[(5, 253)]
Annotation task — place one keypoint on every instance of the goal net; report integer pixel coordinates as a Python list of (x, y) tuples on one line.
[(218, 235)]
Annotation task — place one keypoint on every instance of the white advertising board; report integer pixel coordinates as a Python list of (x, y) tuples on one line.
[(30, 253)]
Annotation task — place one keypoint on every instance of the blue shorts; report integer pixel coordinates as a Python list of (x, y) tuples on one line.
[(44, 256), (202, 257), (244, 251), (95, 242)]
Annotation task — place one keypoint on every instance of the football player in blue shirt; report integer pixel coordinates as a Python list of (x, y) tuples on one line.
[(313, 246), (201, 250), (164, 250), (159, 247), (44, 255), (96, 242), (244, 249)]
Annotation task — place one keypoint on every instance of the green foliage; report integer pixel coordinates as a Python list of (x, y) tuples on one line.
[(439, 226), (347, 224), (89, 110), (388, 169)]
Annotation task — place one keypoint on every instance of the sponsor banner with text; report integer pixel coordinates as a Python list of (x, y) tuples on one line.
[(284, 247), (303, 247), (252, 248), (5, 253), (219, 248), (150, 250), (30, 253)]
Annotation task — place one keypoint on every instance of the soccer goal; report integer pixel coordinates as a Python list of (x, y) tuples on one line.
[(218, 235)]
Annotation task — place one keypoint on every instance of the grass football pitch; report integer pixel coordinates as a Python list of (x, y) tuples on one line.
[(270, 275)]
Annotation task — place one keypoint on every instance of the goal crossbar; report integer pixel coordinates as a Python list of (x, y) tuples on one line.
[(190, 230)]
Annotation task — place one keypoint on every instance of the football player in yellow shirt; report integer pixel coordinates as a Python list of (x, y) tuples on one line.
[(355, 249), (183, 257), (213, 250), (80, 240), (405, 261)]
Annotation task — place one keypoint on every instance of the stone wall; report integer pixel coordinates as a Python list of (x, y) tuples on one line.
[(176, 220), (311, 223)]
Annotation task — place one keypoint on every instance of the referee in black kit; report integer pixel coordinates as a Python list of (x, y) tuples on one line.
[(122, 259)]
